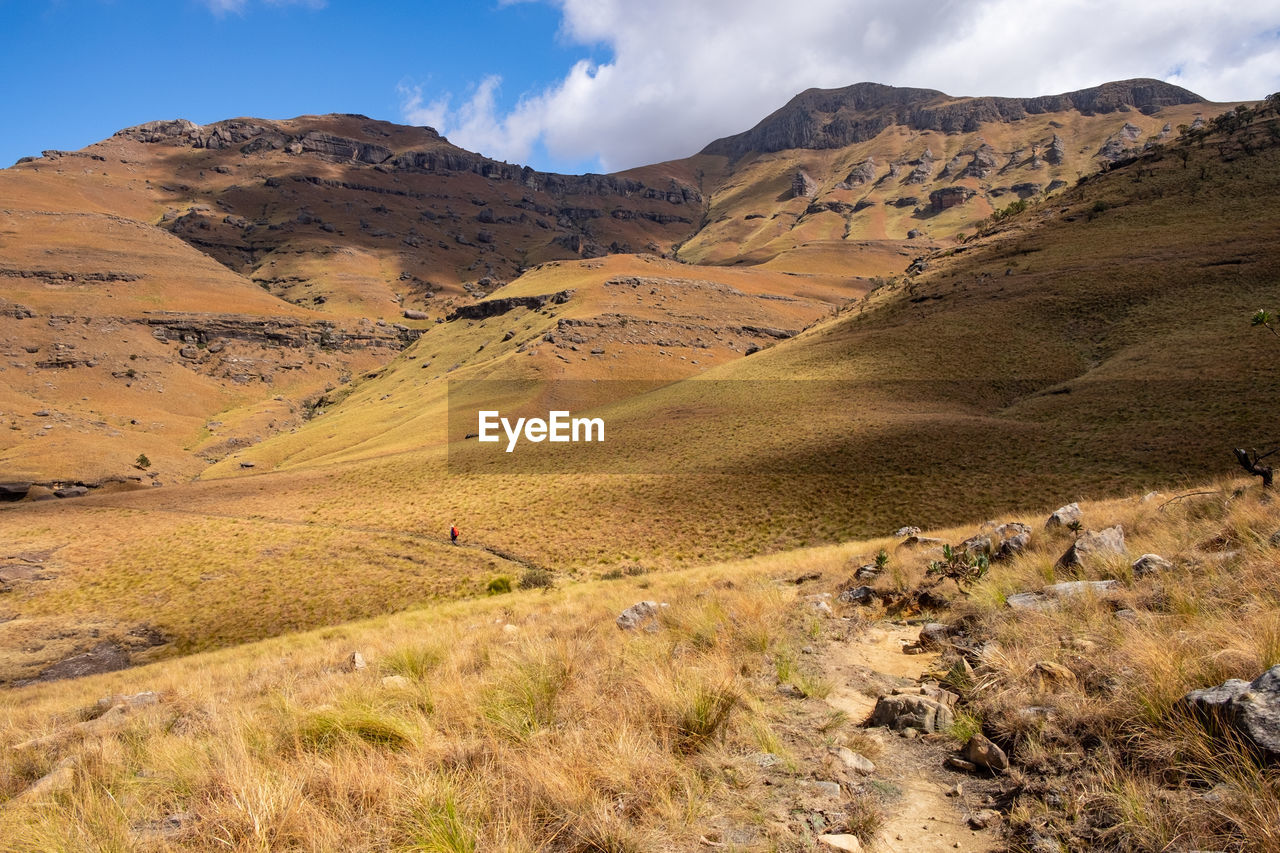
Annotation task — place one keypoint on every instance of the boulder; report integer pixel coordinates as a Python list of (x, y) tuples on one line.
[(975, 545), (1051, 676), (899, 712), (857, 595), (1247, 709), (643, 615), (803, 186), (984, 754), (71, 492), (855, 761), (412, 314), (1010, 529), (935, 635), (1063, 516), (843, 843), (1150, 564), (1067, 589), (1013, 545), (1091, 545)]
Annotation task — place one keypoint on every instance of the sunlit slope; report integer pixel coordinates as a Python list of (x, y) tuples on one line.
[(1102, 340), (910, 169), (612, 319)]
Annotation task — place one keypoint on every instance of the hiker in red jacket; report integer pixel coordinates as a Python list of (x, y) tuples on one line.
[(453, 535)]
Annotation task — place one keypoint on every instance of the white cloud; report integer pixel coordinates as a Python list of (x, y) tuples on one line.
[(684, 72)]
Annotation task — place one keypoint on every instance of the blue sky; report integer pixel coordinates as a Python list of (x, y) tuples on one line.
[(573, 85)]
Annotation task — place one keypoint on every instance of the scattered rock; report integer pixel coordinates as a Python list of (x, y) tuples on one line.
[(976, 545), (843, 843), (857, 595), (396, 682), (1093, 544), (1028, 601), (1067, 589), (957, 763), (58, 779), (917, 541), (354, 662), (855, 761), (642, 615), (1051, 676), (900, 712), (823, 608), (903, 532), (803, 186), (828, 789), (1063, 516), (71, 492), (984, 754), (1150, 564), (411, 314), (984, 818), (1015, 544), (1250, 710), (935, 635)]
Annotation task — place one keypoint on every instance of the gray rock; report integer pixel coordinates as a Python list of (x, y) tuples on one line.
[(1028, 601), (984, 818), (855, 761), (935, 635), (1091, 545), (1067, 589), (411, 314), (1010, 529), (1013, 545), (1150, 564), (642, 615), (975, 545), (917, 541), (354, 662), (1063, 516), (1250, 710), (900, 712), (903, 532), (803, 186), (71, 492), (857, 595), (984, 754), (828, 789)]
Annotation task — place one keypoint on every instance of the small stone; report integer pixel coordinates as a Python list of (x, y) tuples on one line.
[(982, 752), (1051, 675), (984, 818), (642, 615), (843, 843), (855, 761), (960, 764), (1150, 564), (956, 790), (828, 789), (354, 661), (396, 682), (823, 608)]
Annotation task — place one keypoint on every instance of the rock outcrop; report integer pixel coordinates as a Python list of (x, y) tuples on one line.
[(834, 118), (1248, 710)]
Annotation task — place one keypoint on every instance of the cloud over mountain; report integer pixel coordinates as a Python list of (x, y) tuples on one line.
[(680, 74)]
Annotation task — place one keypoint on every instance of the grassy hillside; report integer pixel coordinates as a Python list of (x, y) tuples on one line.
[(1083, 347)]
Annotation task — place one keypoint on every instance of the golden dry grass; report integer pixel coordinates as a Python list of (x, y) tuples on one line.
[(523, 722)]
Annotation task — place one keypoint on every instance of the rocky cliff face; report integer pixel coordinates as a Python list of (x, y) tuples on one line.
[(834, 118)]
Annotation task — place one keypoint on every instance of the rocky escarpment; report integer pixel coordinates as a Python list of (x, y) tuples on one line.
[(834, 118), (433, 155)]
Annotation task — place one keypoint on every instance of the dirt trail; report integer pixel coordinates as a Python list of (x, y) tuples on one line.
[(923, 819)]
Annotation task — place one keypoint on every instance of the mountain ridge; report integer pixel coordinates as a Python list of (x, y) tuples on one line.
[(835, 118)]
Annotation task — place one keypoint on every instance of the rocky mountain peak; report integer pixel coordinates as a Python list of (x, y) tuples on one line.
[(834, 118)]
